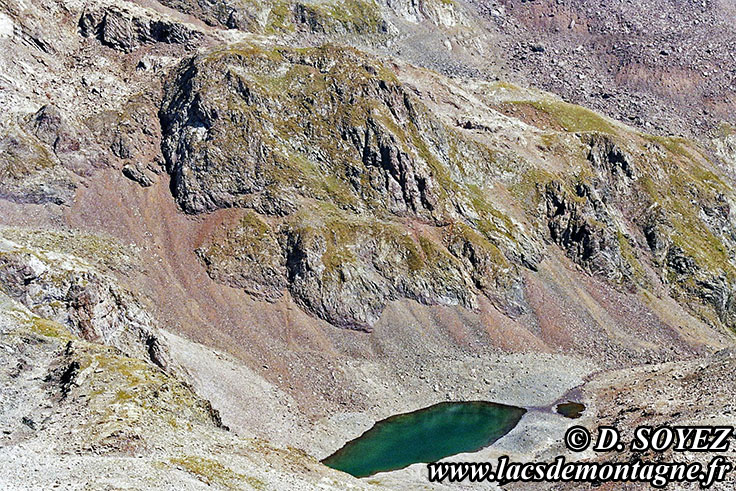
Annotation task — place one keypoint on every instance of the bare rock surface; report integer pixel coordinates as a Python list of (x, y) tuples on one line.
[(293, 219)]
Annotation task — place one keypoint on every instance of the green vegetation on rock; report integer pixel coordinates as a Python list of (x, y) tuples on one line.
[(212, 472), (333, 133), (365, 193), (570, 117)]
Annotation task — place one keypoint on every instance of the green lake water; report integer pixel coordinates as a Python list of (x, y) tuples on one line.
[(426, 435), (571, 410)]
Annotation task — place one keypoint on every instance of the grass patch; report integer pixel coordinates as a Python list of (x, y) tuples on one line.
[(48, 328), (22, 155), (629, 255), (677, 146), (571, 117), (96, 249), (351, 16), (210, 472)]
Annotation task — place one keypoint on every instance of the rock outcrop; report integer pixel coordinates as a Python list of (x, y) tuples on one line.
[(42, 154), (69, 290), (333, 132), (662, 210), (344, 160), (125, 31), (580, 224)]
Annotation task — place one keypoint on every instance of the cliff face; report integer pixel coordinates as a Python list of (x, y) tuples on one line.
[(310, 216), (340, 162)]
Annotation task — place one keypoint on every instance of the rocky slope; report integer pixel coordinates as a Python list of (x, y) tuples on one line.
[(665, 66), (71, 291), (670, 72), (230, 223), (350, 157), (76, 413), (351, 141)]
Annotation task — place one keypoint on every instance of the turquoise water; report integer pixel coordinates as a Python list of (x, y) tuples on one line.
[(426, 435)]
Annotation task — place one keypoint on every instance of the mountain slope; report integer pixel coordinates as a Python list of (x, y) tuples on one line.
[(306, 217)]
